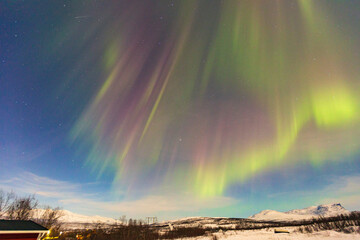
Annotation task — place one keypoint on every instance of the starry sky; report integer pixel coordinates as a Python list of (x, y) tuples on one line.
[(181, 108)]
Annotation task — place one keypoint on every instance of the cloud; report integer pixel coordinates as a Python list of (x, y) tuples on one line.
[(346, 190), (29, 183), (71, 196), (158, 204), (338, 189), (345, 185)]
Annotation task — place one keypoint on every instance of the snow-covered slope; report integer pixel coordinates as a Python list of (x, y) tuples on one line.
[(74, 217), (70, 217), (326, 210)]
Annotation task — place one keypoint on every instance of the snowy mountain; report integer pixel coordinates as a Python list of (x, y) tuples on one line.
[(70, 217), (74, 217), (326, 210)]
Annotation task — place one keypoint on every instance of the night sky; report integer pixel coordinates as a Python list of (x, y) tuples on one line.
[(181, 108)]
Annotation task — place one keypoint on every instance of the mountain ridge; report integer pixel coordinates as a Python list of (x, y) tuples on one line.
[(325, 210)]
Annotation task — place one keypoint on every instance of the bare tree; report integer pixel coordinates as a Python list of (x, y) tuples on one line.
[(5, 202), (123, 219), (49, 217), (130, 222), (14, 207), (21, 208)]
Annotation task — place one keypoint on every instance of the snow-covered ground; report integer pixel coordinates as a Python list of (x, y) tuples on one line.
[(269, 234)]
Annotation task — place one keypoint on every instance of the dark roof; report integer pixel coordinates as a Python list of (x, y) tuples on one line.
[(20, 225)]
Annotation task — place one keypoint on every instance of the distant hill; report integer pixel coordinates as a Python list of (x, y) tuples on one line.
[(326, 210), (74, 218)]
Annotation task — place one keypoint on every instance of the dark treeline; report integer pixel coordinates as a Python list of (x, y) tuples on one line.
[(342, 223), (133, 232)]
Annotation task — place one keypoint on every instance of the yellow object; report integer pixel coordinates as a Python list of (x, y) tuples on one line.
[(281, 231)]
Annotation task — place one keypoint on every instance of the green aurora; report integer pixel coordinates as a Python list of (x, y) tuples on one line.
[(217, 95)]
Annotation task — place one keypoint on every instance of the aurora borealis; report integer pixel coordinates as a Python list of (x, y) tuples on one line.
[(220, 100), (202, 97)]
